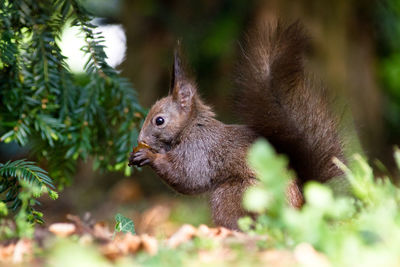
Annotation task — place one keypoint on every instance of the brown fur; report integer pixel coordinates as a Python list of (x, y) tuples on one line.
[(280, 102), (195, 153)]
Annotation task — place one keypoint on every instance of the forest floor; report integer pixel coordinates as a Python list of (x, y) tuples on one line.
[(77, 242)]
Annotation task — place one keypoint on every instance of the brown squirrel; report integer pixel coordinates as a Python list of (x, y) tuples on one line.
[(195, 153)]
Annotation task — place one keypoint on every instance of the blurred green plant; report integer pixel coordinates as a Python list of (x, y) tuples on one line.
[(363, 230), (60, 255), (45, 108)]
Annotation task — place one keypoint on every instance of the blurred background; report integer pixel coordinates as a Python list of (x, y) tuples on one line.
[(355, 52)]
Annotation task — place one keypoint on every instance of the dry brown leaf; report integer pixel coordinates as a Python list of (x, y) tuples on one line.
[(81, 226), (128, 243), (132, 242), (22, 249), (205, 231), (101, 231), (125, 244), (222, 232), (62, 229), (150, 244), (111, 250), (118, 247), (6, 252), (16, 252), (306, 255), (185, 233)]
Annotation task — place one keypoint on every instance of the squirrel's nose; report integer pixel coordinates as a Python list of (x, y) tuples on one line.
[(140, 140)]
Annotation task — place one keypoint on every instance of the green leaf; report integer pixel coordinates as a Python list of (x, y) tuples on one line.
[(245, 223), (318, 195), (124, 224), (3, 209), (256, 199), (53, 194)]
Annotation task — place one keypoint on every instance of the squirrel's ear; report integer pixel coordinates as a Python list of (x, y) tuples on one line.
[(182, 88)]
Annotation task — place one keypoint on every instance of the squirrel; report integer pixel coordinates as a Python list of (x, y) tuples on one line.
[(195, 153)]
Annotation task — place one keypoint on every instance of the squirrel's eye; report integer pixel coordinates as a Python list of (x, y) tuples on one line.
[(160, 121)]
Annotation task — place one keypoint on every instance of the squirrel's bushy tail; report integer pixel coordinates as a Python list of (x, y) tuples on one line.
[(279, 101)]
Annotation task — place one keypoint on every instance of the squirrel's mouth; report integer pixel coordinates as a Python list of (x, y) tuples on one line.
[(166, 146)]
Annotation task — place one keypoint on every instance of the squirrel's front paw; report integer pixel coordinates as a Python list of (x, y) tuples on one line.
[(141, 158)]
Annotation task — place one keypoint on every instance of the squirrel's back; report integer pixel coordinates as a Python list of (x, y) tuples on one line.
[(280, 102)]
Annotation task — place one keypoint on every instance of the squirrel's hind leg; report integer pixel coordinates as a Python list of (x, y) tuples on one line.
[(226, 202)]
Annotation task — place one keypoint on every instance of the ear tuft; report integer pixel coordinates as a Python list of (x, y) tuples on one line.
[(182, 87)]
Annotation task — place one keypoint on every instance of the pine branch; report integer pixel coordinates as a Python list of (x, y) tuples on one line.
[(42, 103), (27, 171), (21, 182)]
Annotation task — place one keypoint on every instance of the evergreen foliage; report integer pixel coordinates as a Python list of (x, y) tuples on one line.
[(46, 108)]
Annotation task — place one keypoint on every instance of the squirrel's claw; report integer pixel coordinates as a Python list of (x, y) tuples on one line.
[(144, 162), (140, 158), (131, 159)]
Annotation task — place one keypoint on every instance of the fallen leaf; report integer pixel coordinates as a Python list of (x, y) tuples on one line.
[(102, 232), (222, 232), (150, 244), (185, 233), (132, 242), (6, 252), (22, 249), (111, 250), (81, 226), (205, 231), (62, 229)]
